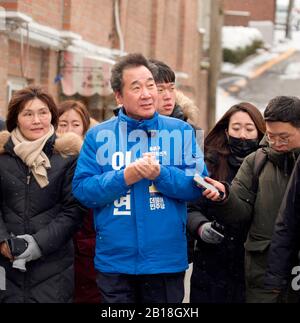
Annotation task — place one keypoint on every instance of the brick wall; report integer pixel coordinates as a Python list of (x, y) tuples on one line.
[(259, 10), (3, 73), (45, 12), (234, 20), (136, 25), (92, 19), (162, 29), (166, 30), (49, 71), (31, 66), (9, 5), (39, 68)]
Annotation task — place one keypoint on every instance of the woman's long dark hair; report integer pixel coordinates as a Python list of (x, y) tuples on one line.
[(215, 144)]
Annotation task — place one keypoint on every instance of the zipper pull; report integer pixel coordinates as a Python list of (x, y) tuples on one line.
[(28, 179)]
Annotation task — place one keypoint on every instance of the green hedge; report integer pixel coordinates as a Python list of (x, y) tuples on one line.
[(238, 55)]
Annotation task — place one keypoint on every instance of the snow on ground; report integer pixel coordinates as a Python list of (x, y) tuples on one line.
[(234, 37), (247, 67), (281, 44), (292, 72)]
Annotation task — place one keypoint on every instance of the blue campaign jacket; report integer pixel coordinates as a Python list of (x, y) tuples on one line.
[(141, 228)]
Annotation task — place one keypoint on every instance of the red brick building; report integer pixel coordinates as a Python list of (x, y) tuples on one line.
[(240, 12), (69, 46)]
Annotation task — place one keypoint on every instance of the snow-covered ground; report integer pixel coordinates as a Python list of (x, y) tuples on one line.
[(247, 67), (292, 72), (234, 37), (281, 45)]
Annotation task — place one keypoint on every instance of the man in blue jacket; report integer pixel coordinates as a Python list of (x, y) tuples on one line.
[(135, 172)]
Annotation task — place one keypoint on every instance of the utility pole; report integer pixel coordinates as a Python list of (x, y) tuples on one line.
[(288, 24), (215, 57)]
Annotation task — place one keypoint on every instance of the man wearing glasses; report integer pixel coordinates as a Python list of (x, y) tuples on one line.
[(260, 207)]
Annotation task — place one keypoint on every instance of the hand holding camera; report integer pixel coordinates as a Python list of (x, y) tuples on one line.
[(17, 246), (12, 248), (211, 232), (33, 251), (213, 189), (22, 249)]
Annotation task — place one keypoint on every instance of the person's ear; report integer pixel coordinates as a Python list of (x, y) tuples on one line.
[(119, 98)]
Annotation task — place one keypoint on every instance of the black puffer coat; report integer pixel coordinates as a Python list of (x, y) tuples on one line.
[(51, 215), (285, 244), (218, 272)]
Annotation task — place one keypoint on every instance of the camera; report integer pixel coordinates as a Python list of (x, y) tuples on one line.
[(200, 182), (17, 246), (218, 227)]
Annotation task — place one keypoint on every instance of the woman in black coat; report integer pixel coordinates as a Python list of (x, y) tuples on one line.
[(218, 264), (74, 117), (38, 213)]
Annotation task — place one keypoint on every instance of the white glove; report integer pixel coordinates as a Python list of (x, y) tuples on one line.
[(32, 252), (209, 234), (19, 264)]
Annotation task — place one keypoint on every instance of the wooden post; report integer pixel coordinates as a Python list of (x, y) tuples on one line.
[(288, 25), (215, 57)]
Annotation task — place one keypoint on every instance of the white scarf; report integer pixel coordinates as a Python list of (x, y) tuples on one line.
[(31, 153)]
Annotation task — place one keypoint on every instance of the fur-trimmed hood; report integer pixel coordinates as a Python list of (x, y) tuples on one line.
[(188, 107), (67, 144), (4, 137)]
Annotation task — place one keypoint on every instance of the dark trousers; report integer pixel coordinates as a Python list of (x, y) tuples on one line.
[(216, 284), (158, 288)]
